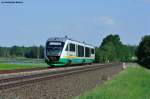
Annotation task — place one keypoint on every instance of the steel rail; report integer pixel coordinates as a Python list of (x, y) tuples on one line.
[(14, 82), (5, 80)]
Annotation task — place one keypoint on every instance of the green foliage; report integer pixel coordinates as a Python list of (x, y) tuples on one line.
[(4, 51), (32, 52), (132, 83), (114, 39), (97, 56), (17, 51), (143, 51), (112, 49)]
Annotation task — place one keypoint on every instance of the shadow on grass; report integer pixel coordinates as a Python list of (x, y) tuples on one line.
[(144, 64)]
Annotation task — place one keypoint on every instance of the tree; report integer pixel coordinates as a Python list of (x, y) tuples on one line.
[(1, 52), (112, 49), (143, 51), (114, 39), (15, 51), (41, 51), (32, 52), (4, 52), (97, 55)]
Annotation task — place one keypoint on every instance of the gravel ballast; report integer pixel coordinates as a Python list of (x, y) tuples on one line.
[(65, 87)]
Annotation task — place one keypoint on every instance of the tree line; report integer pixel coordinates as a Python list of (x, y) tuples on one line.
[(21, 51), (143, 51), (112, 49)]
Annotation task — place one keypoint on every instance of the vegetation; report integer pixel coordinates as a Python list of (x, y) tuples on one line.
[(143, 51), (20, 63), (112, 49), (21, 60), (9, 66), (132, 83), (17, 57), (17, 51)]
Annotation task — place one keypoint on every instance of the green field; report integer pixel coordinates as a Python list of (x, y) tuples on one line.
[(131, 83), (8, 66), (20, 63)]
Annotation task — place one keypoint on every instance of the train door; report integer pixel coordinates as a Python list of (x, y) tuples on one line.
[(77, 50), (67, 50)]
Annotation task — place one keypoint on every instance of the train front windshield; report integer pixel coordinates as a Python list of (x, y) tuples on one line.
[(54, 48)]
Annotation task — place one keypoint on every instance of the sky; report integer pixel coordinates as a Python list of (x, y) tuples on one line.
[(34, 21)]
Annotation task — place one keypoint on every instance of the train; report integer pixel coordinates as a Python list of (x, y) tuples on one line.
[(64, 51)]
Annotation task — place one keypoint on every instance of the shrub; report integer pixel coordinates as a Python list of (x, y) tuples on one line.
[(143, 51)]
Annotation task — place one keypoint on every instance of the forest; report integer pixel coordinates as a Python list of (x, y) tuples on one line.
[(21, 51)]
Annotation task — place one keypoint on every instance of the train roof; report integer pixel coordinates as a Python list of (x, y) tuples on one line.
[(63, 39)]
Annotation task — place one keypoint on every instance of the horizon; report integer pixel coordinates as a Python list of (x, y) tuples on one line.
[(68, 37)]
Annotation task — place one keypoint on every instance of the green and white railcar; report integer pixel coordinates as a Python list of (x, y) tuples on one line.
[(61, 51)]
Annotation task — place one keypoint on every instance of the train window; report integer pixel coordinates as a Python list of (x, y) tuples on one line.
[(72, 47), (87, 52), (80, 51), (92, 51), (66, 48), (55, 45)]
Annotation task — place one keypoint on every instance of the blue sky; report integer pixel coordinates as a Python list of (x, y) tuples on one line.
[(32, 22)]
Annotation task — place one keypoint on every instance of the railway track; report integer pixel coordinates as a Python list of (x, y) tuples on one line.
[(23, 80)]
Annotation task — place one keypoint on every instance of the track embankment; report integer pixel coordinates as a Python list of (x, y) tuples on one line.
[(61, 84)]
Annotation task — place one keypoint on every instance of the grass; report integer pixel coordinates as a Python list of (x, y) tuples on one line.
[(20, 63), (132, 83), (21, 59), (7, 66)]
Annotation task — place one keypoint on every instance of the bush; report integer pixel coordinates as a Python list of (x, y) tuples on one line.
[(143, 51)]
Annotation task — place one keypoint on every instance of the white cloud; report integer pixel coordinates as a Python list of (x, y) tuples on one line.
[(105, 21)]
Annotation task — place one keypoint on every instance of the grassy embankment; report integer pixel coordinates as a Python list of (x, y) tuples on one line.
[(131, 83), (20, 63)]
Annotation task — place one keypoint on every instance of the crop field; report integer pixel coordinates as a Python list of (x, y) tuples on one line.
[(132, 83), (20, 63)]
